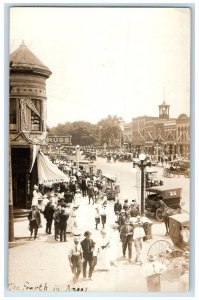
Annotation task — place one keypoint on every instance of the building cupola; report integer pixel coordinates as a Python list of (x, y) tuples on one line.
[(164, 111)]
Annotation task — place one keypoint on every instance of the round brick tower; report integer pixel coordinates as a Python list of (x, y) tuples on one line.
[(27, 120)]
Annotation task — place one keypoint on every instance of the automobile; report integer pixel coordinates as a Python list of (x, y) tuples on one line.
[(171, 197), (177, 167), (90, 155), (112, 189), (151, 177)]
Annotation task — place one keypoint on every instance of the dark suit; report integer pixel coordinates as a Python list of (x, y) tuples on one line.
[(63, 217), (126, 235), (48, 215), (87, 247), (35, 221), (68, 197)]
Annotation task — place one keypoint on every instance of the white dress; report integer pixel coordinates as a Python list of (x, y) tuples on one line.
[(104, 254), (114, 245), (77, 199), (69, 221), (35, 197), (75, 229)]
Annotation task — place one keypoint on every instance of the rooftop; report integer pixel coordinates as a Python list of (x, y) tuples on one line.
[(23, 59)]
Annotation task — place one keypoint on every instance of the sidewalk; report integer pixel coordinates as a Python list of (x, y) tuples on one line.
[(42, 264)]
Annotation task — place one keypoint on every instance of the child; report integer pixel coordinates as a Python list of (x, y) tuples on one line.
[(97, 216)]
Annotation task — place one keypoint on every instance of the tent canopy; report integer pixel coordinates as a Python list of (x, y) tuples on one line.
[(48, 173)]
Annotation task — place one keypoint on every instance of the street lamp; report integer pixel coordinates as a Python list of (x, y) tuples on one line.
[(77, 156), (142, 164), (59, 148)]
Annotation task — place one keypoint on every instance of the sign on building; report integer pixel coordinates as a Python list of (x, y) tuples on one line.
[(63, 140)]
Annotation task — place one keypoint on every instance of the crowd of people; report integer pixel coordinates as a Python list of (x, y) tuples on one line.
[(59, 205)]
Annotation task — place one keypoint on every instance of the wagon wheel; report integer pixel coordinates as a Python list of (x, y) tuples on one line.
[(161, 250), (174, 268), (158, 215)]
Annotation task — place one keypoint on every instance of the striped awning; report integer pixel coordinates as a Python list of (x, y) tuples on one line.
[(48, 173)]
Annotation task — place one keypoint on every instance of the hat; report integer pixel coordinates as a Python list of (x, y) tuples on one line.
[(35, 187), (87, 233), (75, 206), (133, 200), (151, 257)]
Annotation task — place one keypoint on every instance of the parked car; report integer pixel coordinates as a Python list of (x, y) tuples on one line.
[(151, 178), (90, 155), (177, 167), (170, 196)]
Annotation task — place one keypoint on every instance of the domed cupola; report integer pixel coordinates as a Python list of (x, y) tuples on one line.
[(164, 111)]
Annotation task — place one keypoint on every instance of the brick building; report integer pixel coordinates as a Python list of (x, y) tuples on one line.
[(160, 135)]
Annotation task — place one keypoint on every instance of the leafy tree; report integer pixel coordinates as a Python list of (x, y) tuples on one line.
[(107, 130)]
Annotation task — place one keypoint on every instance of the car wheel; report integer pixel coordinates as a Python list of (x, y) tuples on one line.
[(158, 215)]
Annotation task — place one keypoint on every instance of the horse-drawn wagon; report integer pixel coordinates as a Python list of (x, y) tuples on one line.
[(175, 254)]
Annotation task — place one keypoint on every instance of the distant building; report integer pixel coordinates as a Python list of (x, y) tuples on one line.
[(159, 135), (27, 120)]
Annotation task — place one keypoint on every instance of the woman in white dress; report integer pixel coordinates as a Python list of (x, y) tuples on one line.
[(75, 229), (138, 235), (114, 244), (36, 195), (104, 252), (77, 198), (70, 219)]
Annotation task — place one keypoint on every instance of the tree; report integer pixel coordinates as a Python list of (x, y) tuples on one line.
[(111, 132), (107, 130)]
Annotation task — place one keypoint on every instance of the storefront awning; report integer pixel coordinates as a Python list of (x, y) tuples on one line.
[(48, 173)]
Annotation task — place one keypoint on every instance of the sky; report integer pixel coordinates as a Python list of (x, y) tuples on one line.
[(117, 61)]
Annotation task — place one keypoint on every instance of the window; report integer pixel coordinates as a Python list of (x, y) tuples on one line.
[(35, 119), (13, 111)]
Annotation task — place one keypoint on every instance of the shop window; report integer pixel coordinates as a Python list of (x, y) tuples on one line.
[(35, 119), (13, 114)]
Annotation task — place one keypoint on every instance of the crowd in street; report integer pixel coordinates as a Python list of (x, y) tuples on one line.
[(59, 206)]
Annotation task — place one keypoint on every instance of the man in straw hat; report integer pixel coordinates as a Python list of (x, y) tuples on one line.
[(75, 257), (126, 235), (153, 271), (88, 247)]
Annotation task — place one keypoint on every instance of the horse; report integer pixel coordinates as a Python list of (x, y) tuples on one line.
[(167, 212)]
